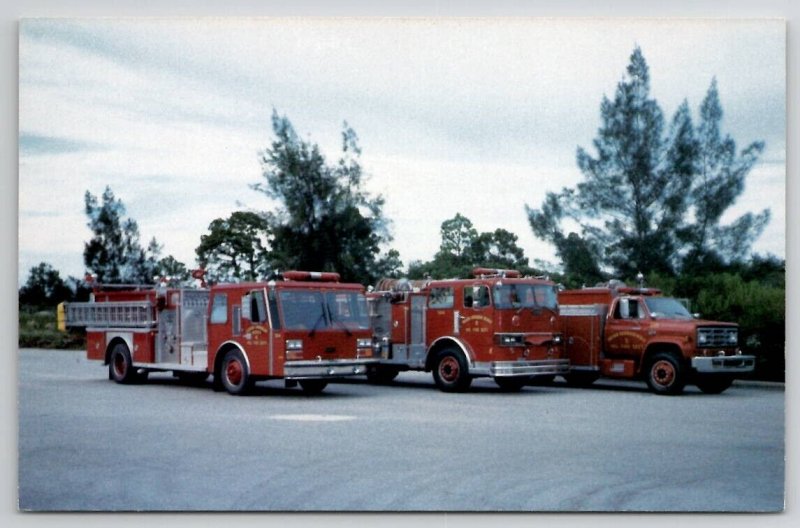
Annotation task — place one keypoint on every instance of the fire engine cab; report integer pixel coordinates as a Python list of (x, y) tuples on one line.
[(305, 328), (498, 325), (625, 332)]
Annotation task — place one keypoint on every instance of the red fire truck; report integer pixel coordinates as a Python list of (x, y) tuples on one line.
[(498, 325), (306, 327), (624, 332)]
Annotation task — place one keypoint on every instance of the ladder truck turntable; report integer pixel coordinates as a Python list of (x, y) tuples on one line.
[(497, 324), (304, 327), (627, 332)]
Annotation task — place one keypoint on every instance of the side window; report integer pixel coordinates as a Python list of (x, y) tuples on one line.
[(476, 296), (258, 309), (237, 320), (219, 308), (441, 298), (628, 309), (273, 311)]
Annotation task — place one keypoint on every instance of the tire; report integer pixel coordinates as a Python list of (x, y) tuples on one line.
[(450, 371), (234, 374), (381, 375), (514, 384), (313, 386), (665, 374), (714, 383), (120, 365), (581, 379)]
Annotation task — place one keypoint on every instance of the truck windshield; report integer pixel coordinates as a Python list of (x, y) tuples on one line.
[(348, 309), (302, 310), (315, 310), (666, 308), (515, 296)]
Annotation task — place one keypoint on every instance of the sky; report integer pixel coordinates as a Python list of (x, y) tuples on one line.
[(473, 116)]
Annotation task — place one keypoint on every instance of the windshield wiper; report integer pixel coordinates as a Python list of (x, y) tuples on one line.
[(340, 323), (314, 328)]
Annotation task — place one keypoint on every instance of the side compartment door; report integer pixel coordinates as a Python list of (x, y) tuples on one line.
[(416, 344)]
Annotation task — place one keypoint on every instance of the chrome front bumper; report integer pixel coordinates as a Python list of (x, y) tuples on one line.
[(508, 369), (334, 368), (724, 364)]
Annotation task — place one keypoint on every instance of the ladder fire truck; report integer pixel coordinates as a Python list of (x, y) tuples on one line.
[(305, 327), (498, 325), (636, 333)]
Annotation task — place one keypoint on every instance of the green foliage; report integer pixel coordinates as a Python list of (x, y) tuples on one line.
[(325, 221), (44, 287), (235, 248), (114, 254), (37, 329), (462, 249), (652, 195)]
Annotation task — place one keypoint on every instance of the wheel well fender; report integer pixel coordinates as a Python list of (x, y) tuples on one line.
[(442, 343), (114, 342), (223, 349), (657, 348)]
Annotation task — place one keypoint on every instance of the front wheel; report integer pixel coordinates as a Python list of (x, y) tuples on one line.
[(234, 373), (313, 386), (450, 371), (714, 383), (665, 374)]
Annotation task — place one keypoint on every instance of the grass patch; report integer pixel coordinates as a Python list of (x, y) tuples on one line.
[(38, 329)]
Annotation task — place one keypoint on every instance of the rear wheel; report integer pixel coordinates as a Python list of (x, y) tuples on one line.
[(450, 371), (714, 383), (313, 386), (665, 374), (234, 373), (120, 365)]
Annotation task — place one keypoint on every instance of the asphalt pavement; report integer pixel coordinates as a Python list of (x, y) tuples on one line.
[(88, 444)]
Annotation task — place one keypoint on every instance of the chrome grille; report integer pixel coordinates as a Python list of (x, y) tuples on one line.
[(719, 337)]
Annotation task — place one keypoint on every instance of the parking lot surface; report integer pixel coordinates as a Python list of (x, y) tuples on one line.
[(88, 444)]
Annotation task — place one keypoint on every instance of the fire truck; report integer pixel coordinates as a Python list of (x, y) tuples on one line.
[(497, 325), (304, 327), (636, 333)]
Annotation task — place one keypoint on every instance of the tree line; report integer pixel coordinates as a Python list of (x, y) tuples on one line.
[(651, 200)]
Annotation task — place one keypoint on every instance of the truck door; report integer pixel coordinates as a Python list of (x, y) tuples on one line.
[(440, 314), (625, 330), (476, 319), (256, 328)]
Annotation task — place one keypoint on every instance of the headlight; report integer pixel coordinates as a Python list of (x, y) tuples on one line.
[(733, 338), (294, 344), (364, 342), (702, 338), (556, 339)]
